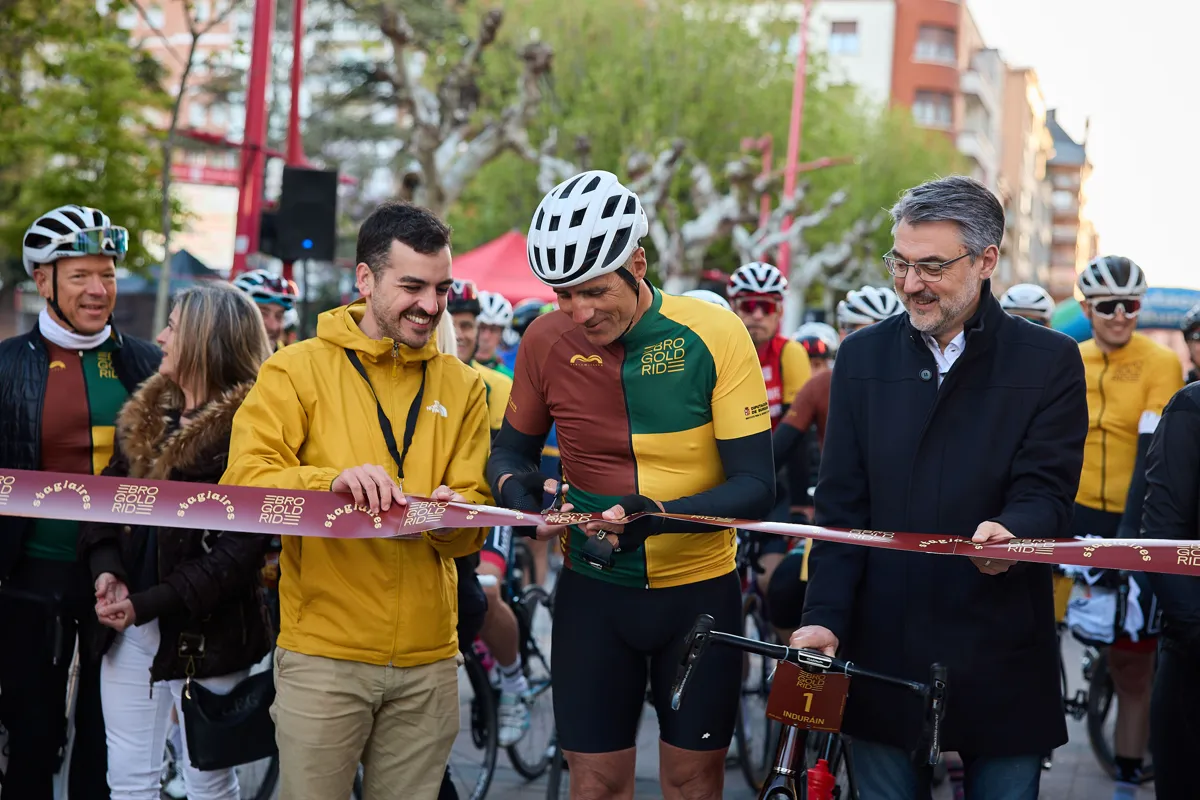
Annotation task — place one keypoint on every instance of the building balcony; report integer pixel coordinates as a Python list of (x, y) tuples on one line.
[(977, 146), (976, 84)]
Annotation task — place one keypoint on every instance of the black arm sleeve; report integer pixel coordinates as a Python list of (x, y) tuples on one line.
[(747, 493), (1131, 519), (1172, 510), (783, 442), (513, 453)]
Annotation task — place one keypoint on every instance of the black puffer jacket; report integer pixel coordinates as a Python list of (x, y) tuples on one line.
[(24, 365), (200, 585)]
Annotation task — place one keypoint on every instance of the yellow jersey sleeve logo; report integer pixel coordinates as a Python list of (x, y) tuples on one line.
[(585, 360)]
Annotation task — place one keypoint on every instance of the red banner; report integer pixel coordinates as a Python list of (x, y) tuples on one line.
[(171, 504)]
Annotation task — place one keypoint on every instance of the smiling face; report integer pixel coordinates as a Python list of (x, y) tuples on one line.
[(466, 331), (272, 316), (488, 339), (87, 290), (605, 306), (940, 307), (406, 296), (1112, 333)]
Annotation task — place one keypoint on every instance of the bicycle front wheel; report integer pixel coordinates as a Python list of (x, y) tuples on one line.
[(756, 735), (473, 756), (1102, 720), (531, 755)]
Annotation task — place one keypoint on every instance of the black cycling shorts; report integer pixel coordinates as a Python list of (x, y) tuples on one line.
[(785, 592), (497, 547), (608, 639)]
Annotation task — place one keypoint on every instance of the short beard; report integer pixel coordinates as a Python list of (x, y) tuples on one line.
[(948, 308), (392, 328)]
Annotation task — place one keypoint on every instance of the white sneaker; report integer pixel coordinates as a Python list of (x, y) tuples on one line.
[(513, 717)]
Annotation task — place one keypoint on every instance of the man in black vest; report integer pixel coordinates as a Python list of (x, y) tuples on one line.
[(954, 419)]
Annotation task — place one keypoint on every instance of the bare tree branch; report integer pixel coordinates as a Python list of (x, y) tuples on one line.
[(157, 30)]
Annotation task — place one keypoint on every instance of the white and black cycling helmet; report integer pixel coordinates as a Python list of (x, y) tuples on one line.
[(1112, 276), (868, 305), (709, 297), (1028, 298), (818, 339), (70, 231), (757, 277), (494, 310), (587, 226), (1191, 321)]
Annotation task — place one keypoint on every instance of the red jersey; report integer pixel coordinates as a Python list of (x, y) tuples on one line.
[(785, 369)]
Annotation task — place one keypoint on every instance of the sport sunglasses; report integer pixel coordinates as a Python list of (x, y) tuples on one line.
[(1107, 309), (748, 305), (112, 241)]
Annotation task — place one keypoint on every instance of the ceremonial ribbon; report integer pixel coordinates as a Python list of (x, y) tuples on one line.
[(279, 512)]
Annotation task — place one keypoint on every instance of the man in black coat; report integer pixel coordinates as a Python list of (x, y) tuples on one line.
[(954, 419), (1172, 511), (61, 386)]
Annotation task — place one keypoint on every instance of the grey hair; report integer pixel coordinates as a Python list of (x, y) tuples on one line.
[(964, 201)]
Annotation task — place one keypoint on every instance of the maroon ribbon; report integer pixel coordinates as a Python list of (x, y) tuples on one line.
[(276, 512)]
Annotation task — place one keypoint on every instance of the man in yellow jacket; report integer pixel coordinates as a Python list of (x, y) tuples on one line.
[(366, 664)]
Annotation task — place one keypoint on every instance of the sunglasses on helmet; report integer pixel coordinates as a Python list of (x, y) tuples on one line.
[(112, 241), (1107, 309), (748, 305)]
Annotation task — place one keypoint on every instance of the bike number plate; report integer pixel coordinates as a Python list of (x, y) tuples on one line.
[(811, 700)]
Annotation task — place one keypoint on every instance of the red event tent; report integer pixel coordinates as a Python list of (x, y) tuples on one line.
[(501, 266)]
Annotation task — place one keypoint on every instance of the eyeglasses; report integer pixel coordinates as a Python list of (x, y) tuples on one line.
[(112, 241), (748, 305), (1107, 309), (927, 271), (1193, 335)]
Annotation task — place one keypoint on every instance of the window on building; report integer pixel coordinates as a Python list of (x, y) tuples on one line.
[(1062, 200), (218, 115), (200, 10), (934, 109), (127, 19), (155, 15), (196, 114), (936, 44), (843, 39)]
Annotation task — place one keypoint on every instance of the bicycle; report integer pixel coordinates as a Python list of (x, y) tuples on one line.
[(473, 757), (754, 743), (819, 782)]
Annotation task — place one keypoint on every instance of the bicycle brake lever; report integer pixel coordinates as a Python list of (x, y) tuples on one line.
[(693, 647)]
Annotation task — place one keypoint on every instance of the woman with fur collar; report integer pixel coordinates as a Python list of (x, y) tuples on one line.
[(179, 602)]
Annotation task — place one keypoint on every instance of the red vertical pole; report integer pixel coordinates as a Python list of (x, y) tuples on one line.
[(794, 132), (295, 143), (254, 160)]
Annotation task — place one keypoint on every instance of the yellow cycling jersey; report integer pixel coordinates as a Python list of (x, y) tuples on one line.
[(499, 387), (1121, 386)]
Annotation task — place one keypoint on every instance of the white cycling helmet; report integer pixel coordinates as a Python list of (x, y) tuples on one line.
[(868, 305), (587, 226), (1112, 276), (818, 330), (70, 231), (757, 277), (709, 297), (494, 310), (1028, 298)]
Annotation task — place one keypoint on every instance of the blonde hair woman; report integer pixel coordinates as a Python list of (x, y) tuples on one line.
[(180, 602)]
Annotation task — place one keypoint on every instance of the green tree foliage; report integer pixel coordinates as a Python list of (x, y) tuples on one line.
[(77, 105), (632, 75)]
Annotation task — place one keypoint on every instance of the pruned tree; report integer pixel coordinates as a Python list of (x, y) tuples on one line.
[(186, 63), (443, 140)]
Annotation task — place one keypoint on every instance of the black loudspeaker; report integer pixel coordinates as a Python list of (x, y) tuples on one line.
[(306, 223), (268, 234)]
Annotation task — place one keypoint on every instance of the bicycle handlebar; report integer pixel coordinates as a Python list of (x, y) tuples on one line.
[(702, 634)]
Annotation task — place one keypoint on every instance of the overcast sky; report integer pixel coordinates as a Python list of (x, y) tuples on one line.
[(1134, 68)]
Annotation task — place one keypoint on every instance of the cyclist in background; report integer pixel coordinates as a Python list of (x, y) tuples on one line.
[(810, 409), (1029, 301), (756, 292), (1191, 334), (274, 296), (820, 342), (1130, 379), (499, 629), (600, 367), (495, 315)]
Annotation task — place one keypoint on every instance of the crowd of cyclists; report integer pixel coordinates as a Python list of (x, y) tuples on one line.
[(606, 399)]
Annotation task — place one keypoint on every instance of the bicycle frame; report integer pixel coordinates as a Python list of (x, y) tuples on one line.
[(789, 754)]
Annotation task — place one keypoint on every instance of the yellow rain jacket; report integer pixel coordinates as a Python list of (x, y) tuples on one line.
[(310, 416)]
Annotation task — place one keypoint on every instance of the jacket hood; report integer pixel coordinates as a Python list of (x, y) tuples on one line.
[(339, 327), (193, 449)]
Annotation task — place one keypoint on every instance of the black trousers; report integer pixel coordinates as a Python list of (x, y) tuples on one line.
[(1175, 724), (43, 607)]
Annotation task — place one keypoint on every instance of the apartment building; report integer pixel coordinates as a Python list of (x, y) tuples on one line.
[(1027, 147), (1073, 237), (927, 55)]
